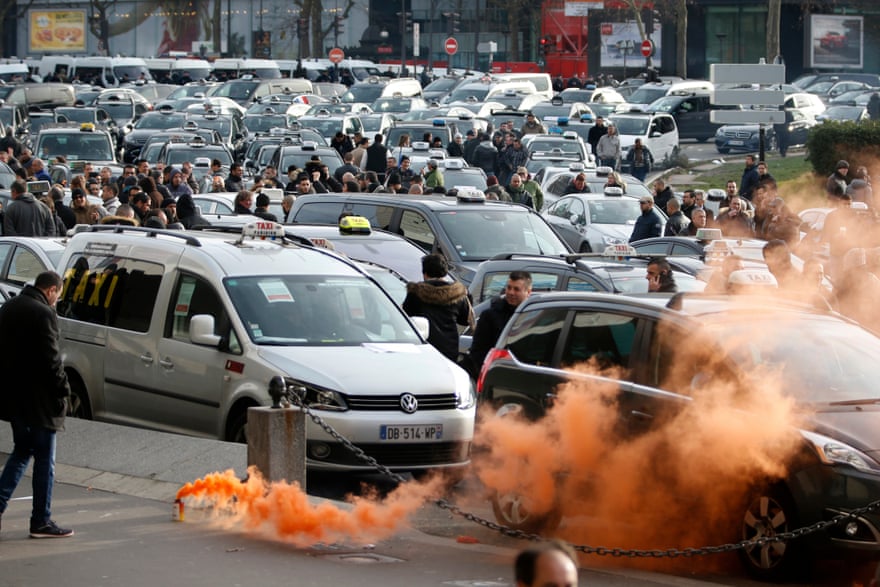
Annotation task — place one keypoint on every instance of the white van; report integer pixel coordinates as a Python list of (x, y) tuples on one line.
[(373, 88), (542, 82), (56, 67), (647, 93), (230, 68), (11, 72), (482, 90), (182, 332), (178, 71), (109, 72)]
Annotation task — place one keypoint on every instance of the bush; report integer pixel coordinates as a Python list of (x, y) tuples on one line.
[(858, 143)]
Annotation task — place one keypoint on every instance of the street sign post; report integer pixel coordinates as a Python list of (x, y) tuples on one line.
[(647, 48), (758, 86), (336, 55)]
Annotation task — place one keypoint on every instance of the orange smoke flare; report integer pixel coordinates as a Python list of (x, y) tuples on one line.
[(282, 511)]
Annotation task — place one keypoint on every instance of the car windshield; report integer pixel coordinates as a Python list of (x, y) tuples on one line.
[(74, 146), (240, 90), (820, 359), (478, 92), (622, 211), (646, 95), (392, 105), (309, 310), (367, 93), (566, 146), (121, 112), (160, 121), (631, 125), (481, 234), (264, 123), (326, 127), (75, 115), (179, 156)]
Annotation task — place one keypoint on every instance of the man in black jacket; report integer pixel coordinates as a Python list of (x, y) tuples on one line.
[(494, 319), (444, 303), (34, 398), (649, 224)]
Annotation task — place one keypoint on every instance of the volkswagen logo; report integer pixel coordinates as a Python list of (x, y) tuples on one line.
[(409, 403)]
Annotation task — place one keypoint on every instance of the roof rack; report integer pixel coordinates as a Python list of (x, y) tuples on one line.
[(151, 232)]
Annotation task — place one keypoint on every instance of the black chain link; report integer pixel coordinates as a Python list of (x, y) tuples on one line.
[(586, 549)]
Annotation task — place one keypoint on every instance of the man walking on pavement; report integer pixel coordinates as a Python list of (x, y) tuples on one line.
[(34, 399)]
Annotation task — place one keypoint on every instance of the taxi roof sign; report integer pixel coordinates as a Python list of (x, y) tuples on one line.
[(354, 225), (262, 230), (620, 250)]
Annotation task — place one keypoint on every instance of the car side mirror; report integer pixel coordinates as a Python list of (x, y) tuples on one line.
[(655, 133), (423, 327), (201, 331), (573, 219)]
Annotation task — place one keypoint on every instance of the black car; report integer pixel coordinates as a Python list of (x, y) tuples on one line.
[(655, 367)]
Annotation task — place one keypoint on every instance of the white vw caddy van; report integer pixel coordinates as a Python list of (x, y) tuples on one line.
[(182, 331)]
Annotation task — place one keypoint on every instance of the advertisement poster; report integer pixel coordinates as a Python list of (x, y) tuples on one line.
[(57, 30), (835, 41), (621, 44)]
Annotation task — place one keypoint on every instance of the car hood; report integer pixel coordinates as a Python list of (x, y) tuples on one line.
[(858, 426), (621, 232), (368, 369)]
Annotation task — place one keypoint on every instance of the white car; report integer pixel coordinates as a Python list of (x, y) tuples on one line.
[(657, 130)]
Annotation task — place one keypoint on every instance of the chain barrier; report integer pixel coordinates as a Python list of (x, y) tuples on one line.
[(442, 503)]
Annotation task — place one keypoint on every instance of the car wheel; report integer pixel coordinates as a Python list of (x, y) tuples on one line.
[(703, 139), (78, 405), (512, 510), (723, 150), (236, 427), (768, 513), (585, 248)]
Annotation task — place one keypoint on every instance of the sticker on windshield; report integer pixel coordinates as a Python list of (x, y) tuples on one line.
[(276, 291)]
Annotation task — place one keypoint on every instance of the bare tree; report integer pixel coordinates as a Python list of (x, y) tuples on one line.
[(774, 8)]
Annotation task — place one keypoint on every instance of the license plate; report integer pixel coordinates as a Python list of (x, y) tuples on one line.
[(737, 142), (420, 433)]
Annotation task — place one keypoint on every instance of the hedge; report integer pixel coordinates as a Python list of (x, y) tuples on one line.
[(858, 143)]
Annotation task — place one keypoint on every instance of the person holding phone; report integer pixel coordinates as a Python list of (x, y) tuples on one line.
[(659, 276)]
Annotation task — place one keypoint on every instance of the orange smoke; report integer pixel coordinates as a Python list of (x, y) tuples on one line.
[(282, 511), (675, 480)]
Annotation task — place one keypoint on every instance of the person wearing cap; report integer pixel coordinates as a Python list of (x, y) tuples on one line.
[(837, 184), (443, 301), (433, 175), (471, 140), (649, 224), (531, 126), (456, 147), (177, 185), (531, 186), (394, 186)]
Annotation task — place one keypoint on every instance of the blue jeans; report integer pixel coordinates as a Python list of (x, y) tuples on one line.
[(39, 443)]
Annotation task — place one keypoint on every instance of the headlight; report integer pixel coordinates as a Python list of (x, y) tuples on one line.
[(317, 398), (611, 240), (834, 452), (465, 392)]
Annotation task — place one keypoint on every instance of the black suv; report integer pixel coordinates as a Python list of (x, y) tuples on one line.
[(692, 114), (647, 375)]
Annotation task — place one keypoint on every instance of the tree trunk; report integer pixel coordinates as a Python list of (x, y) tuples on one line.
[(774, 8), (681, 39)]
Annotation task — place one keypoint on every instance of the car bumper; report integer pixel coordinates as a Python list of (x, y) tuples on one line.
[(451, 450)]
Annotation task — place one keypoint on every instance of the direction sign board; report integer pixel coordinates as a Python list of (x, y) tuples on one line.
[(647, 48), (747, 116), (336, 55), (451, 46), (756, 81)]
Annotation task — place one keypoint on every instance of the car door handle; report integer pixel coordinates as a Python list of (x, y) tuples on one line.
[(147, 359), (639, 415), (166, 364)]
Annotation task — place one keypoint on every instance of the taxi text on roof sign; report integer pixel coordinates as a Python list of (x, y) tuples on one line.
[(263, 230), (354, 225)]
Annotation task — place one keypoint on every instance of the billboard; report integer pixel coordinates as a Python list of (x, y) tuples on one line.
[(835, 41), (621, 44), (57, 30)]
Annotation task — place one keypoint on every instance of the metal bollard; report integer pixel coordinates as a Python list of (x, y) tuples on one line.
[(276, 439)]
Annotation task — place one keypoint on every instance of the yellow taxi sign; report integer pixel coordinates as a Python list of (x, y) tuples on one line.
[(354, 225), (87, 127)]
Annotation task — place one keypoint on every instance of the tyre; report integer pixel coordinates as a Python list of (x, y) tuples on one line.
[(512, 510), (769, 512), (236, 427), (723, 150), (78, 405), (585, 248)]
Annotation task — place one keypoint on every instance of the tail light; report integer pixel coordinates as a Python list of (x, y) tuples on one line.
[(494, 355)]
